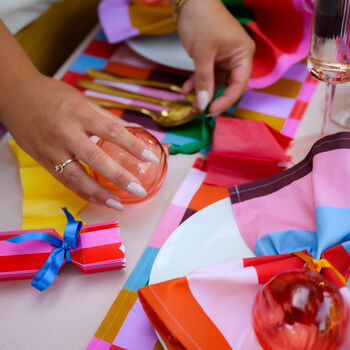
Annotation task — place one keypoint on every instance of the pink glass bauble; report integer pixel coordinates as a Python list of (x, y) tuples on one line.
[(299, 310), (150, 175)]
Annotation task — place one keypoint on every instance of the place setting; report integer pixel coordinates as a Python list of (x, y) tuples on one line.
[(242, 240)]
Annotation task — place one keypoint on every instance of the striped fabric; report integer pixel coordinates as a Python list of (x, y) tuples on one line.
[(99, 248), (280, 29), (292, 93), (211, 307)]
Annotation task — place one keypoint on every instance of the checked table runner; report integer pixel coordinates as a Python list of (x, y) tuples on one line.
[(281, 106)]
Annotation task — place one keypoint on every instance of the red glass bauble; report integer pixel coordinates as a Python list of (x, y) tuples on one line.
[(299, 310), (150, 175)]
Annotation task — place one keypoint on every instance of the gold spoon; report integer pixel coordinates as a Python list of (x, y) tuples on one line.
[(103, 75), (175, 116), (90, 85)]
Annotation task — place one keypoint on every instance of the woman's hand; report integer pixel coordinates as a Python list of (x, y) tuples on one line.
[(53, 122), (215, 39)]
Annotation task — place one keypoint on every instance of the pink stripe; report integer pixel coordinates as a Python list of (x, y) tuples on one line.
[(98, 344), (164, 94), (259, 216), (126, 101), (306, 92), (189, 187), (144, 90), (98, 237), (115, 20), (297, 72), (290, 127), (262, 102), (236, 285), (29, 247), (159, 135), (169, 223), (137, 323)]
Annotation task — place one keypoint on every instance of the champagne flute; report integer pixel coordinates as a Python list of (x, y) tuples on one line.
[(329, 56)]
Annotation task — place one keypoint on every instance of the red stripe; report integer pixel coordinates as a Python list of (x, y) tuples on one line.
[(269, 266), (100, 49), (201, 164), (22, 262), (339, 258), (72, 77), (298, 110), (97, 254)]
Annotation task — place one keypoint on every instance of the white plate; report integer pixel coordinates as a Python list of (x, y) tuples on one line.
[(207, 237), (163, 49)]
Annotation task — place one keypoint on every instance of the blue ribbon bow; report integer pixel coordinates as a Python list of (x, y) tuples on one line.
[(48, 272)]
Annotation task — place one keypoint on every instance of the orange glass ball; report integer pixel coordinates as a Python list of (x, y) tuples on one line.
[(299, 309), (150, 175)]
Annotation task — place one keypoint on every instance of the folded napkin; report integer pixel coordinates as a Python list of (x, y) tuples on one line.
[(280, 29), (243, 151), (305, 208), (43, 195)]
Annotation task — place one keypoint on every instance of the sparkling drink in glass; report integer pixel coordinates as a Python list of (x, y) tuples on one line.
[(329, 56)]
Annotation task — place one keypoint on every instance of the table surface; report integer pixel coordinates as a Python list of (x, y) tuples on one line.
[(68, 314)]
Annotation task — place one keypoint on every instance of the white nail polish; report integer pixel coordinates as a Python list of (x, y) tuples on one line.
[(114, 204), (149, 156), (202, 99), (136, 189)]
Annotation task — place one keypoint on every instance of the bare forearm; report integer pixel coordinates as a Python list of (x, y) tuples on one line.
[(15, 66)]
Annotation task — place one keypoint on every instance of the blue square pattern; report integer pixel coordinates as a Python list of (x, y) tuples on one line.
[(86, 61), (142, 270)]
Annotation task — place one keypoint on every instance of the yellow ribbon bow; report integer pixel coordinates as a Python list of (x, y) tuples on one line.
[(317, 265)]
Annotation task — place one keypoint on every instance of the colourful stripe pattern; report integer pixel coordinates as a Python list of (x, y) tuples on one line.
[(125, 315), (117, 330), (280, 29), (317, 192), (99, 248)]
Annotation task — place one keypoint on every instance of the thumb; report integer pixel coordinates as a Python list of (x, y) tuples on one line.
[(204, 80)]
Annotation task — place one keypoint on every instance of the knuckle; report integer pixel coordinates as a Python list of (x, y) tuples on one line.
[(73, 179), (114, 130), (92, 157), (59, 131)]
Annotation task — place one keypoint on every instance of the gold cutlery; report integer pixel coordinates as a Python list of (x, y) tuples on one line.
[(175, 116), (90, 85), (103, 75)]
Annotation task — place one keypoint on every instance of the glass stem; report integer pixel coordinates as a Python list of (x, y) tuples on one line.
[(330, 90)]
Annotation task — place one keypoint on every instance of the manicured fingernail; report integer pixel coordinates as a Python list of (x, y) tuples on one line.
[(114, 204), (136, 189), (149, 156), (202, 99)]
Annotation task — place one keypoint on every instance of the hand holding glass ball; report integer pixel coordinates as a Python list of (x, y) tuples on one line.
[(150, 175)]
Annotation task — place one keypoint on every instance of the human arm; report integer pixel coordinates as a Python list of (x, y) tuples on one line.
[(53, 122), (214, 39)]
